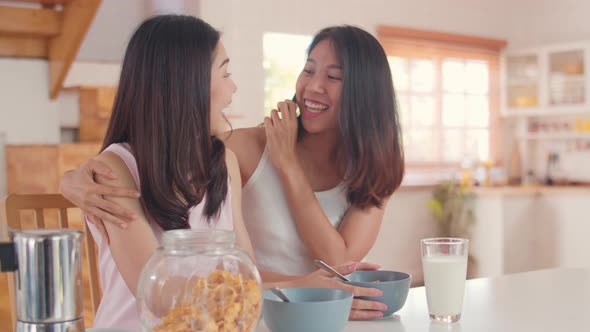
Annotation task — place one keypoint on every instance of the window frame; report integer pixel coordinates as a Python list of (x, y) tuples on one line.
[(414, 43)]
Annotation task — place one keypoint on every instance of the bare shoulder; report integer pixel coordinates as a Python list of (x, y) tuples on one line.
[(251, 138), (115, 163), (247, 144)]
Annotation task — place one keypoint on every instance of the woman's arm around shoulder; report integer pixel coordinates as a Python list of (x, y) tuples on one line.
[(131, 246)]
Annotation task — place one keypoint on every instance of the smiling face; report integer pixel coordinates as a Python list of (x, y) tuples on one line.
[(222, 89), (319, 87)]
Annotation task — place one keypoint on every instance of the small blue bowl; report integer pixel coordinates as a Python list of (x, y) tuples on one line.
[(395, 286), (310, 310)]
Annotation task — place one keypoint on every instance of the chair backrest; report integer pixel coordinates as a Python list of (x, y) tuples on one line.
[(14, 204)]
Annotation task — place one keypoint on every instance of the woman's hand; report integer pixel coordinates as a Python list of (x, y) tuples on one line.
[(361, 309), (80, 188), (281, 134)]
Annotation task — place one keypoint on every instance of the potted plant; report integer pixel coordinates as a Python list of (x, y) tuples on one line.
[(452, 206)]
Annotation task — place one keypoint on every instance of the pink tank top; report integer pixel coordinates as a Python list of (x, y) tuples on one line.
[(117, 307)]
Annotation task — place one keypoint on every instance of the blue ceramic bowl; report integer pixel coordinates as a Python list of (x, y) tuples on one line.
[(395, 286), (310, 310)]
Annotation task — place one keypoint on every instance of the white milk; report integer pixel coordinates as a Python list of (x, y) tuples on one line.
[(444, 278)]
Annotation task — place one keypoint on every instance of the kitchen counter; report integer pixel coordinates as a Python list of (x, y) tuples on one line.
[(546, 300), (533, 190)]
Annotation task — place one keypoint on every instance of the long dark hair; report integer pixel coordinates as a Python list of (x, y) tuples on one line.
[(162, 111), (370, 135)]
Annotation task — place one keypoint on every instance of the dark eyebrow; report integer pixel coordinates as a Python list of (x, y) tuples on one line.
[(333, 66), (224, 62)]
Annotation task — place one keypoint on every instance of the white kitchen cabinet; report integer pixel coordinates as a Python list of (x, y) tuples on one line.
[(545, 103), (524, 229)]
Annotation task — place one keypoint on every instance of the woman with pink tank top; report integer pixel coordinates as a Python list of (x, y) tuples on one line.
[(162, 141)]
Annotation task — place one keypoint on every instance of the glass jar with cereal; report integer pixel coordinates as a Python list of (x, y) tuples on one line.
[(199, 281)]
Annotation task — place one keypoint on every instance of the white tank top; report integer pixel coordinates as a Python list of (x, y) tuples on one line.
[(271, 227)]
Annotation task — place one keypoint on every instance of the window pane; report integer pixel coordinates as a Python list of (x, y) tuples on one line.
[(283, 60), (423, 111), (399, 73), (477, 77), (478, 114), (422, 75), (407, 143), (453, 142), (453, 75), (477, 143), (403, 104), (453, 110), (422, 145)]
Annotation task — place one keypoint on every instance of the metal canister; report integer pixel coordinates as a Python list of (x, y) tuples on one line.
[(48, 278)]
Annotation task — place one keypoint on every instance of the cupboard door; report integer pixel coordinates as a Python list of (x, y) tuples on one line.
[(96, 104), (567, 81), (522, 81)]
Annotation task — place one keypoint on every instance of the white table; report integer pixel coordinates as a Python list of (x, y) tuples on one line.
[(547, 300)]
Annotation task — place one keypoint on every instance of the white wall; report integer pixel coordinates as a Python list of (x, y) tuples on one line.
[(116, 20), (538, 22), (27, 115)]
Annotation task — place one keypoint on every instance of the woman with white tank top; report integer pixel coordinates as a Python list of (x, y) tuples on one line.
[(316, 183)]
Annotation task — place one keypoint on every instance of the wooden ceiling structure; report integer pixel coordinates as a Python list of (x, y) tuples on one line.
[(46, 29)]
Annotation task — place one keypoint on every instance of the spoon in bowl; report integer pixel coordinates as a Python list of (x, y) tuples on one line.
[(322, 265), (278, 292)]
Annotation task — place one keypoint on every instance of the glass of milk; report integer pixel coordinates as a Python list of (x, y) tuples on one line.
[(444, 261)]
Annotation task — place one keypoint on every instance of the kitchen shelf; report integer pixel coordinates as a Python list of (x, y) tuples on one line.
[(556, 136), (579, 78), (552, 111), (557, 79)]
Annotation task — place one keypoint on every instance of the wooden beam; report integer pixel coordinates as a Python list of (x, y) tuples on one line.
[(384, 31), (77, 17), (44, 2), (23, 47), (29, 22)]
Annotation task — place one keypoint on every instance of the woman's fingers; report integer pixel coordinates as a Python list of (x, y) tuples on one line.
[(274, 115), (350, 267), (292, 107), (367, 266), (368, 305), (366, 291), (268, 123), (106, 190), (288, 111), (95, 167), (356, 290), (364, 314), (114, 209)]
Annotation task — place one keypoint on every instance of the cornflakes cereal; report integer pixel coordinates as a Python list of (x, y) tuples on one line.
[(221, 302)]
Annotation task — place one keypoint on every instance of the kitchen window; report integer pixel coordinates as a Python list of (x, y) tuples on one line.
[(447, 89), (284, 56)]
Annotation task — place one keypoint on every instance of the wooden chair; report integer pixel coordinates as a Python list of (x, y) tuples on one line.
[(14, 204)]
